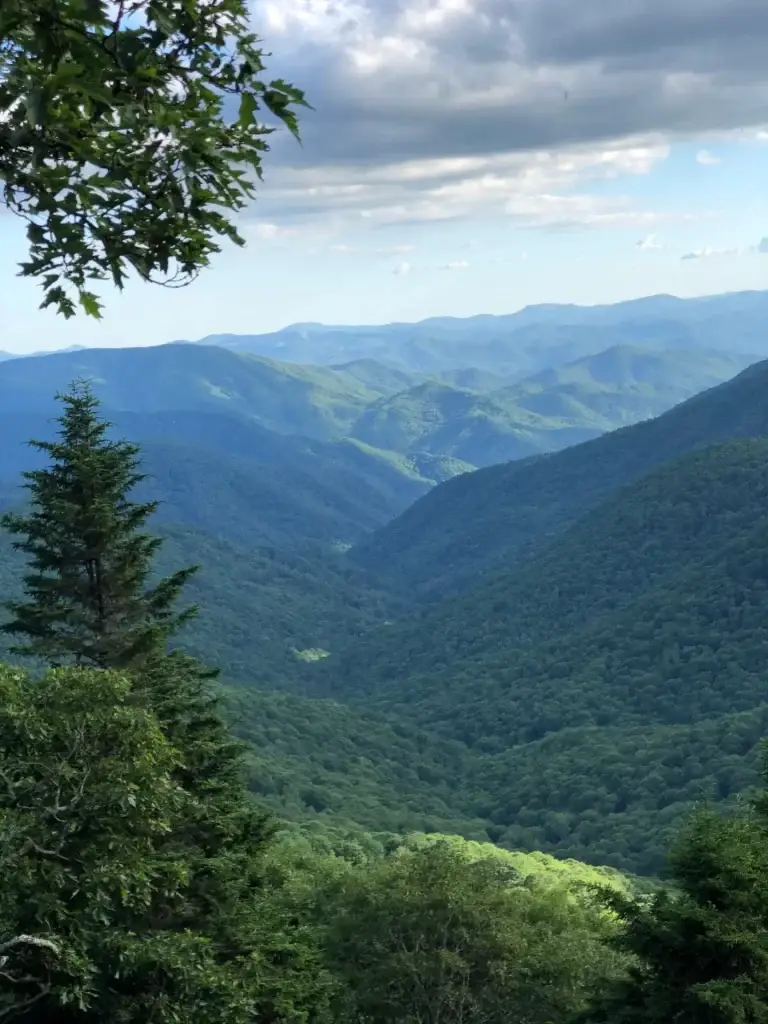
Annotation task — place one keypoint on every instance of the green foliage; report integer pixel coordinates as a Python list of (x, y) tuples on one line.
[(610, 683), (86, 592), (701, 951), (129, 876), (116, 144), (201, 939), (432, 934), (87, 800), (497, 518)]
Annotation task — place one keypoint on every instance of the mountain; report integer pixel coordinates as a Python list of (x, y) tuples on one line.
[(312, 401), (524, 343), (605, 672), (609, 682), (379, 378), (622, 385), (227, 475), (497, 517), (425, 429), (555, 409)]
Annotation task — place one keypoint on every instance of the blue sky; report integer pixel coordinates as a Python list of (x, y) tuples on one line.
[(443, 173)]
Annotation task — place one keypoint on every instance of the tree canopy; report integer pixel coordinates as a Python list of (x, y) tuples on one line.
[(129, 135)]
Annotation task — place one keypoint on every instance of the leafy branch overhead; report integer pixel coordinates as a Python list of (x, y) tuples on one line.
[(116, 142)]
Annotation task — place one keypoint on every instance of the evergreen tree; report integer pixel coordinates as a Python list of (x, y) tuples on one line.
[(89, 603), (699, 949), (88, 596)]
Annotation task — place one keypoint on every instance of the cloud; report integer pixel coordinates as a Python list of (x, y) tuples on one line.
[(394, 250), (546, 189), (648, 244), (762, 246), (418, 79), (705, 157), (456, 265), (265, 230), (709, 253), (443, 109), (401, 269)]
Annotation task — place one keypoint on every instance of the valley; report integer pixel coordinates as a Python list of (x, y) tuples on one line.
[(526, 611), (370, 653)]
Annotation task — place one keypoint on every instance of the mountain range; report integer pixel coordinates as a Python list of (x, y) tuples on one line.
[(425, 429), (520, 344), (562, 650)]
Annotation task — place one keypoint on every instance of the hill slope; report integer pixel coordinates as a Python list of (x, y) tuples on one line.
[(368, 403), (231, 477), (599, 686), (312, 401), (497, 517), (560, 407)]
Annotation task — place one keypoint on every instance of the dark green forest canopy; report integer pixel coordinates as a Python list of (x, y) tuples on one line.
[(499, 516), (579, 703)]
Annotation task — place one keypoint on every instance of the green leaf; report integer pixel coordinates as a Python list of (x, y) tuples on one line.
[(35, 106), (90, 304), (248, 107), (35, 234)]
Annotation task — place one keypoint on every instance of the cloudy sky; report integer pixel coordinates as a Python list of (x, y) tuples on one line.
[(469, 156)]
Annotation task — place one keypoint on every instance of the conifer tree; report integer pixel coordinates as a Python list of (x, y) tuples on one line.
[(699, 949), (88, 598), (89, 604)]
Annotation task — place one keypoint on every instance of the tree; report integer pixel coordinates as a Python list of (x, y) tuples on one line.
[(89, 865), (209, 944), (119, 144), (429, 936), (88, 596), (700, 949)]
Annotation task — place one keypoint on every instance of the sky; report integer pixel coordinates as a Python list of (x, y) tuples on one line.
[(475, 156)]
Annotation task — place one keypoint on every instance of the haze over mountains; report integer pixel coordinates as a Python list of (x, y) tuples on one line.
[(528, 341), (557, 652)]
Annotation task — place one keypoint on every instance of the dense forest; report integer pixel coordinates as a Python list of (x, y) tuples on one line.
[(142, 881), (410, 674)]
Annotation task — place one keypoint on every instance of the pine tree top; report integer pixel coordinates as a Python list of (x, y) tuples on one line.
[(89, 597)]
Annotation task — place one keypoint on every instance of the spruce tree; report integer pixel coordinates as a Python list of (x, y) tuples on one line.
[(88, 598), (89, 604), (699, 950)]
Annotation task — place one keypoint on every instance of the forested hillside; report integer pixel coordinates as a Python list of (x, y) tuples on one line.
[(413, 425), (588, 658), (373, 675), (501, 515)]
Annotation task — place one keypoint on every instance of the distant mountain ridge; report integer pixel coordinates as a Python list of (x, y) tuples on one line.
[(592, 659), (523, 343)]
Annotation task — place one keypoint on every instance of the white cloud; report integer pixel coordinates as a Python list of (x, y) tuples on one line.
[(649, 243), (265, 230), (400, 79), (433, 110), (704, 156), (708, 252), (456, 265), (402, 269), (541, 189)]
